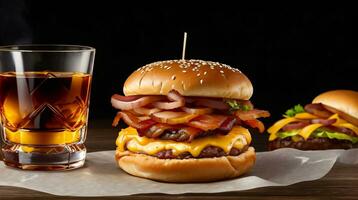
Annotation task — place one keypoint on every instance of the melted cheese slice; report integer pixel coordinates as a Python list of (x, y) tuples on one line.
[(338, 119), (278, 125), (129, 139), (308, 130), (305, 116), (349, 126)]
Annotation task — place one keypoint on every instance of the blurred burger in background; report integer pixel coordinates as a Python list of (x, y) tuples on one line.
[(329, 122), (187, 121)]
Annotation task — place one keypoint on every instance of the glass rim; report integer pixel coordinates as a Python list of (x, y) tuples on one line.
[(46, 48)]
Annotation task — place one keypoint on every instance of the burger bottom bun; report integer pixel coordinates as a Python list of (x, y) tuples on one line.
[(186, 170)]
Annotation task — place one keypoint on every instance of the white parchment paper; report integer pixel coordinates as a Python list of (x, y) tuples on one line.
[(101, 177)]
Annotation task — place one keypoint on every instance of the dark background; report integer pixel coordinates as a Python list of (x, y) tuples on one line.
[(291, 55)]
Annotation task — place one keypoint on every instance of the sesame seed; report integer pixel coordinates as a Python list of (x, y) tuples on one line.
[(174, 77), (201, 81), (199, 67)]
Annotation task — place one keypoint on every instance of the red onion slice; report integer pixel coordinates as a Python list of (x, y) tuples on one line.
[(119, 101), (146, 111), (177, 101)]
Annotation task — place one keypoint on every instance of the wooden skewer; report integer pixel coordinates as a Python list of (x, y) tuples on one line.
[(184, 46)]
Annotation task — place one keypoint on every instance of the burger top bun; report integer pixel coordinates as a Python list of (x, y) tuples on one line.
[(343, 102), (189, 78)]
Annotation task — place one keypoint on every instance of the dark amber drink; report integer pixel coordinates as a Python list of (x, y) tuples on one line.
[(44, 119)]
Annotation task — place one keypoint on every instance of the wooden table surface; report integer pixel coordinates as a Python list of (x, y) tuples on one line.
[(340, 183)]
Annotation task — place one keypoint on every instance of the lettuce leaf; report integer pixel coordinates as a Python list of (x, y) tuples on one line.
[(320, 133), (234, 105), (293, 111), (286, 134), (335, 135)]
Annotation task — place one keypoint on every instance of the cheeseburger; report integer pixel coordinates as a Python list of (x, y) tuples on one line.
[(329, 122), (187, 121)]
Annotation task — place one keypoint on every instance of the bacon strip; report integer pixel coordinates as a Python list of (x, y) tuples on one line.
[(192, 132), (318, 109), (296, 125), (251, 114), (302, 124), (207, 122), (254, 123), (228, 124), (132, 120), (154, 116)]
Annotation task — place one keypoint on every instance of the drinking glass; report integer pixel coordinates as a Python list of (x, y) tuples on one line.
[(44, 101)]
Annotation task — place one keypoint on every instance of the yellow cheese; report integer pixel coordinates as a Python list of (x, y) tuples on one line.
[(281, 123), (308, 130), (343, 123), (349, 126), (273, 136), (305, 116), (129, 139), (339, 120)]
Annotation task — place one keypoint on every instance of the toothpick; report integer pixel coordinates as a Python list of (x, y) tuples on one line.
[(184, 46)]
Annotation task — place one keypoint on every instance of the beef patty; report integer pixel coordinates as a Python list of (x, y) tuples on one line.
[(207, 152), (311, 144)]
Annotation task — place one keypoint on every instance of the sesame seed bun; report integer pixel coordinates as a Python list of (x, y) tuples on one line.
[(186, 170), (343, 102), (189, 78)]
